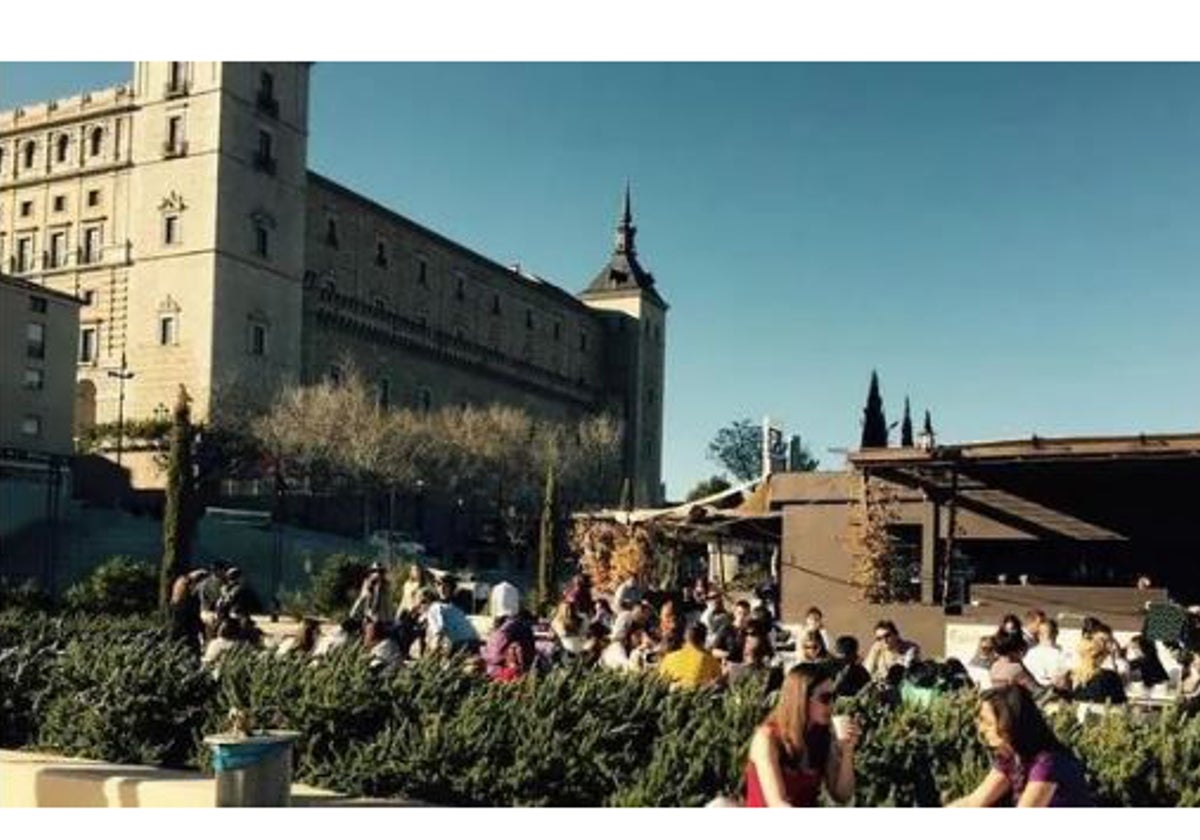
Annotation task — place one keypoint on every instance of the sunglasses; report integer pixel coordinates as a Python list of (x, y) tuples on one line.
[(824, 698)]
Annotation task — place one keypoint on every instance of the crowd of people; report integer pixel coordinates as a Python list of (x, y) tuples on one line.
[(694, 638)]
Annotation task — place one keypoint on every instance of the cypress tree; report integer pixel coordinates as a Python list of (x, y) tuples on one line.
[(906, 431), (545, 568), (179, 521), (874, 430), (626, 494), (928, 430)]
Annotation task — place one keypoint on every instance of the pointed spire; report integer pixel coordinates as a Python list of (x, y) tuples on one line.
[(625, 228)]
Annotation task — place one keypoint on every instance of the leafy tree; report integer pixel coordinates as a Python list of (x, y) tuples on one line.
[(906, 427), (874, 427), (738, 448), (707, 487), (179, 516), (800, 459)]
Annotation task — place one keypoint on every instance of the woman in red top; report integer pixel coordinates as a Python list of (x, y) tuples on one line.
[(793, 751)]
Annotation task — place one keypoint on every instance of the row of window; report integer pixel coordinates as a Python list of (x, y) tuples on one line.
[(383, 390), (60, 148), (57, 254), (58, 204), (168, 335)]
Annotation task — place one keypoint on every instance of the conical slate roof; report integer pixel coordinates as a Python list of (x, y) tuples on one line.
[(623, 274)]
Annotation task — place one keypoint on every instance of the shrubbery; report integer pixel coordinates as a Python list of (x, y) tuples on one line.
[(118, 586), (118, 690)]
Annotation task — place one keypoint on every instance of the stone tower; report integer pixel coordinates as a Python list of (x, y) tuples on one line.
[(635, 324)]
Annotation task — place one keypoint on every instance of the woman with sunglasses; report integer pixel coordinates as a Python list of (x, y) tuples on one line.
[(812, 647), (1030, 765), (793, 752)]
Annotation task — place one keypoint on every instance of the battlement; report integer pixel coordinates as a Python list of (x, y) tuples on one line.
[(68, 108)]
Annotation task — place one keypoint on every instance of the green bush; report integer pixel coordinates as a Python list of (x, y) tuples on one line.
[(119, 586), (335, 585), (118, 690), (140, 699), (27, 595)]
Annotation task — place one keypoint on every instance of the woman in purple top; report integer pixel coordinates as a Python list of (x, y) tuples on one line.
[(1031, 766)]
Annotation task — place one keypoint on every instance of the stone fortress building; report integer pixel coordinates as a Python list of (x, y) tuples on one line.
[(181, 210)]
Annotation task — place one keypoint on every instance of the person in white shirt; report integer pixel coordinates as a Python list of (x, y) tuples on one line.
[(1046, 661), (446, 626)]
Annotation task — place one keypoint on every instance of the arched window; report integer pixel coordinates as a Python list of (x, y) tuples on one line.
[(29, 151), (95, 141), (60, 150)]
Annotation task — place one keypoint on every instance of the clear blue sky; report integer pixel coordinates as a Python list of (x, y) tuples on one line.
[(1014, 246)]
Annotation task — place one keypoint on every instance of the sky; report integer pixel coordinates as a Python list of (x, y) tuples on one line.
[(1012, 246)]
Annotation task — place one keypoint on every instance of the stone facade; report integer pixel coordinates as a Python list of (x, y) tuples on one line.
[(181, 209)]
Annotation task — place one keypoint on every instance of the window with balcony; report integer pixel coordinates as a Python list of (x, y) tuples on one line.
[(174, 145), (87, 345), (267, 103), (37, 304), (176, 78), (24, 261), (28, 153), (58, 249), (90, 252), (61, 146), (171, 229), (96, 142), (264, 160), (35, 379), (31, 426), (35, 341)]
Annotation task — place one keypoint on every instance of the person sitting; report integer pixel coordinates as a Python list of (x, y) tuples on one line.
[(602, 614), (594, 644), (814, 621), (509, 630), (812, 647), (629, 591), (692, 665), (373, 603), (1093, 683), (569, 628), (616, 654), (303, 641), (1009, 666), (1189, 684), (228, 638), (755, 659), (727, 632), (410, 592), (888, 650), (1046, 661), (446, 626), (579, 595), (851, 677), (345, 633), (513, 666), (641, 648), (186, 625), (793, 753), (1010, 625), (385, 653), (670, 629), (1033, 625), (714, 611), (1030, 765), (234, 598), (1144, 665)]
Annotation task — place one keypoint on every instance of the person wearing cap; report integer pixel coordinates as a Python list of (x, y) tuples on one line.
[(372, 603)]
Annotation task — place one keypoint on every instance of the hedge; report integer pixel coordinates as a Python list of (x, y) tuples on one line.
[(119, 690)]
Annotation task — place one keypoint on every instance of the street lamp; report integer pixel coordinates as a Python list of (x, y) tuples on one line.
[(123, 374)]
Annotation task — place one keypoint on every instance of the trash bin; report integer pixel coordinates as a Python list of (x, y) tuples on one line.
[(253, 771)]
